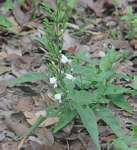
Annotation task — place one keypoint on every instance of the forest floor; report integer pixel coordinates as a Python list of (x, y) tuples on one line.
[(94, 27)]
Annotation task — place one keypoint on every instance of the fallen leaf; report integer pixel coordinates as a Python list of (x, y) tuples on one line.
[(9, 146), (11, 49), (68, 128), (3, 127), (108, 138), (15, 125), (70, 44), (36, 146), (52, 3), (4, 69), (24, 104), (26, 44), (44, 136), (32, 118), (125, 67), (97, 6), (110, 43), (134, 44), (98, 54), (76, 146), (3, 55), (50, 121), (3, 87), (20, 64), (21, 17)]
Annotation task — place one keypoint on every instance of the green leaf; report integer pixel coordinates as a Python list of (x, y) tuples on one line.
[(65, 117), (120, 144), (89, 120), (107, 61), (30, 77), (121, 102), (133, 148), (129, 16), (69, 84), (135, 131), (84, 70), (111, 120), (135, 83), (85, 75), (8, 5), (85, 97), (71, 3), (113, 90), (105, 75), (5, 22), (82, 56), (82, 97)]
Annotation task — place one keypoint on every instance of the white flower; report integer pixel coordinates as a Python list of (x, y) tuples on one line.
[(65, 60), (58, 97), (53, 81), (55, 85), (70, 77)]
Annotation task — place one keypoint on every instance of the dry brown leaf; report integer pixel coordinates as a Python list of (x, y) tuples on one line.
[(26, 44), (36, 146), (50, 121), (15, 126), (125, 67), (9, 146), (70, 44), (4, 69), (44, 136), (134, 44), (12, 49), (15, 27), (52, 3), (55, 147), (3, 87), (108, 138), (3, 55), (32, 118), (21, 16), (97, 6), (98, 54), (20, 65), (24, 104)]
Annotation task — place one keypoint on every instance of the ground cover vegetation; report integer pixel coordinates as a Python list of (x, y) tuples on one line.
[(82, 86)]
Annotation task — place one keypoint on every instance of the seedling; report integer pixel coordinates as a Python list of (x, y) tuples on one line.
[(131, 20)]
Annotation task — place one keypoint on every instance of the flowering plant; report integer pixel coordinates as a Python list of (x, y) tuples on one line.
[(80, 86)]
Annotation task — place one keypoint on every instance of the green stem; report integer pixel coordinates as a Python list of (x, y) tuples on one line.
[(35, 125)]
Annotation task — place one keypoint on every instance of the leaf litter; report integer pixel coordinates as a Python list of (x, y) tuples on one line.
[(19, 54)]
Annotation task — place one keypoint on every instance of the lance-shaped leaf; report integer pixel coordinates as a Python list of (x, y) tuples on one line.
[(29, 77), (89, 120)]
